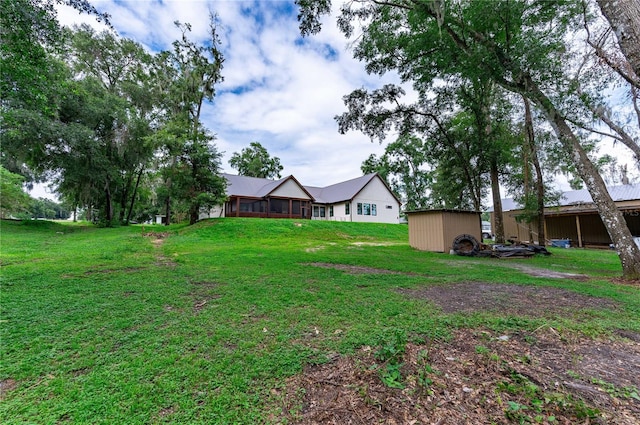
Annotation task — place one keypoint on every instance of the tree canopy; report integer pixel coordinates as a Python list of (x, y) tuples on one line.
[(255, 161)]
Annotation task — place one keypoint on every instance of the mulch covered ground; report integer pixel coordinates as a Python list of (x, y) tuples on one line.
[(478, 376)]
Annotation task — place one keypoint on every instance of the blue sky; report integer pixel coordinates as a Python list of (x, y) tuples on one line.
[(279, 89)]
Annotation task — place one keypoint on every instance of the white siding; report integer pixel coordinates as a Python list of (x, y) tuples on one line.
[(290, 189), (338, 213), (376, 193)]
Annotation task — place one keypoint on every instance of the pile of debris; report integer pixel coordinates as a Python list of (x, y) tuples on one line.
[(469, 246)]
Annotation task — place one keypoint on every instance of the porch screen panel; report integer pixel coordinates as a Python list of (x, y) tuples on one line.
[(252, 205), (279, 206)]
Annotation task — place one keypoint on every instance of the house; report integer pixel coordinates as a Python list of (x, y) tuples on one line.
[(575, 217), (365, 199)]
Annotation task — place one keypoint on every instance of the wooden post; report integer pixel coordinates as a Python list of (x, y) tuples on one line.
[(579, 231)]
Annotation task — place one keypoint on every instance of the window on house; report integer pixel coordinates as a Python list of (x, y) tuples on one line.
[(389, 207), (366, 208), (374, 209), (322, 212), (347, 208), (316, 211), (331, 211), (359, 205)]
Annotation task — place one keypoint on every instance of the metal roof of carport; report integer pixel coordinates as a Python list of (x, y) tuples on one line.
[(626, 192)]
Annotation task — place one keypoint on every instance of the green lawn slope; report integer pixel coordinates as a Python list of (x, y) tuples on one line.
[(205, 323)]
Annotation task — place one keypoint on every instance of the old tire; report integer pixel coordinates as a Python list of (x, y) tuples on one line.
[(466, 245)]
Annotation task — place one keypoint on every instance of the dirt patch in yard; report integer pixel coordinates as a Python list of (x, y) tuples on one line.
[(352, 269), (518, 300), (536, 272), (7, 385), (157, 239), (204, 295), (477, 377)]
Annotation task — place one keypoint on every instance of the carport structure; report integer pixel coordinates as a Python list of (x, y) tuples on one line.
[(575, 217)]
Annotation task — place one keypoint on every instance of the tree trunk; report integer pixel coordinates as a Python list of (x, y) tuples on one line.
[(193, 214), (108, 205), (498, 220), (613, 220), (536, 165), (167, 218), (123, 199), (624, 17), (133, 196)]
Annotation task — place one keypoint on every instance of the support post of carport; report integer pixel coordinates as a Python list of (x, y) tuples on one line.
[(579, 231)]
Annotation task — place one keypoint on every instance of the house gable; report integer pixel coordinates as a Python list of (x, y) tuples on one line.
[(290, 188), (375, 202)]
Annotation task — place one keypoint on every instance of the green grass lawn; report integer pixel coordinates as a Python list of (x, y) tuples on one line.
[(123, 326)]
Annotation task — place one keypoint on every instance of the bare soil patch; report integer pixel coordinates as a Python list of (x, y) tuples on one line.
[(7, 385), (478, 377), (204, 293), (531, 271), (353, 269), (629, 282), (536, 272), (157, 238), (518, 300)]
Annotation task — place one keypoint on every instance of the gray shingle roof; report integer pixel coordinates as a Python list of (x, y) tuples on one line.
[(252, 187), (258, 188), (339, 192)]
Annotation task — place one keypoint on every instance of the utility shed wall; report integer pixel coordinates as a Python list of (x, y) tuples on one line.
[(435, 230), (425, 231)]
